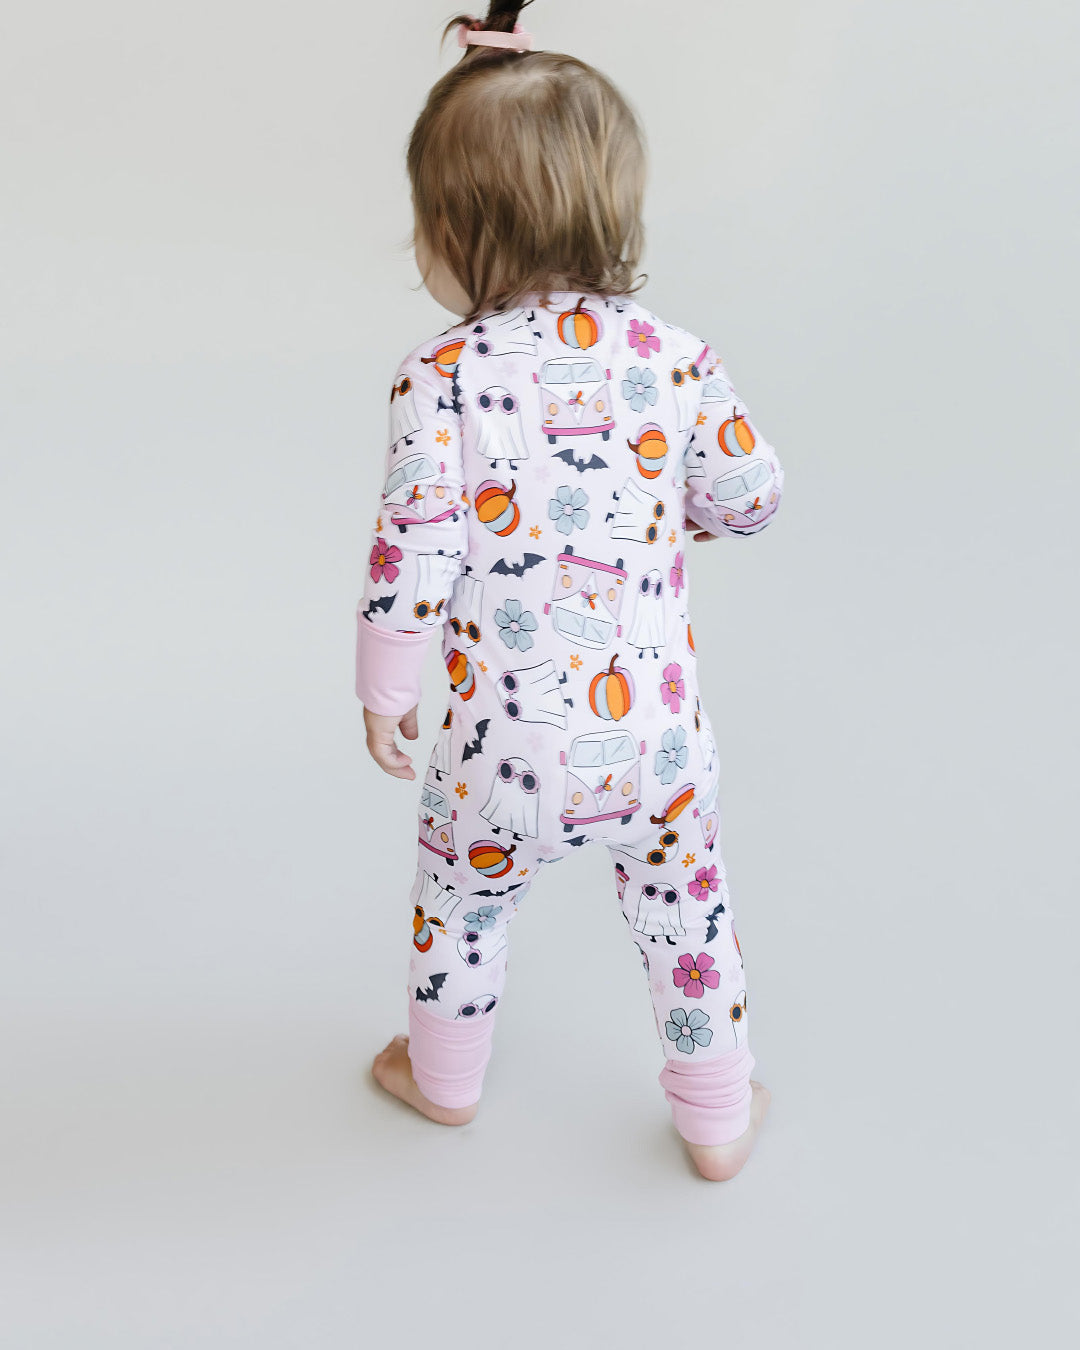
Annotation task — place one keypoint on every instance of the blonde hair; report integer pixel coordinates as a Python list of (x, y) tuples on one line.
[(527, 173)]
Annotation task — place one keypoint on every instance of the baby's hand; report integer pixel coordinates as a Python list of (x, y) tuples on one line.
[(382, 746), (700, 536)]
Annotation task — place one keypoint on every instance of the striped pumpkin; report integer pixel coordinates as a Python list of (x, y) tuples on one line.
[(462, 679), (491, 859), (651, 449), (611, 693), (580, 327), (735, 436), (496, 507)]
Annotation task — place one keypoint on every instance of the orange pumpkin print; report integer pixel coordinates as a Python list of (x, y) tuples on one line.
[(651, 449), (580, 327), (611, 693), (462, 679), (496, 508), (735, 436)]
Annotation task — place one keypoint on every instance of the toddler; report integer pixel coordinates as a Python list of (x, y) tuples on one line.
[(546, 456)]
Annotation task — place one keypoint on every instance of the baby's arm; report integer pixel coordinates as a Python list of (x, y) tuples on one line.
[(417, 548), (734, 480)]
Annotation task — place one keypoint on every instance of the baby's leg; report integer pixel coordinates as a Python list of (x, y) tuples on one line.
[(695, 970), (457, 972)]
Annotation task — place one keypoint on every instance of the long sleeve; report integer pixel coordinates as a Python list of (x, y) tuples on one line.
[(734, 480), (419, 540)]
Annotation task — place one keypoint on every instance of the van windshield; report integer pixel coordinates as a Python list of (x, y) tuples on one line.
[(570, 372), (727, 488)]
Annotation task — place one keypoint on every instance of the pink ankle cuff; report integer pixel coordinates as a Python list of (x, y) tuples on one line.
[(449, 1055), (710, 1098)]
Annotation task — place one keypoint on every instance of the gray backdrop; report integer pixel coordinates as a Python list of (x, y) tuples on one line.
[(870, 209)]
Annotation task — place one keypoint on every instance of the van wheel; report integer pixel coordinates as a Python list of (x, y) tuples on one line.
[(606, 435), (626, 820), (553, 440), (401, 528), (567, 828)]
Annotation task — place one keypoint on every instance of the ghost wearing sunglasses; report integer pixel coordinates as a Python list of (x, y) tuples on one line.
[(435, 577), (658, 913), (465, 605), (514, 801), (686, 381), (646, 627), (403, 418), (504, 335), (534, 694), (499, 432), (636, 515)]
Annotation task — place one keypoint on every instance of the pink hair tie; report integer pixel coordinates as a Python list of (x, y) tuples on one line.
[(517, 41)]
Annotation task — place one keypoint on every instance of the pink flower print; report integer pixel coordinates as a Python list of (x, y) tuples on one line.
[(704, 883), (673, 689), (676, 578), (382, 560), (642, 338), (693, 973)]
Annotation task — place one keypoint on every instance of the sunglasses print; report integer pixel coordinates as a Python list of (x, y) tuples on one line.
[(508, 403), (507, 772)]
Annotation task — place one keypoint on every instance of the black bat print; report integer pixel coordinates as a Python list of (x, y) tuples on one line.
[(594, 462), (384, 603), (577, 841), (432, 991), (474, 747), (713, 929), (490, 894), (509, 569)]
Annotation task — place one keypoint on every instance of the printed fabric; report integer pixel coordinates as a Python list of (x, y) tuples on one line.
[(544, 465)]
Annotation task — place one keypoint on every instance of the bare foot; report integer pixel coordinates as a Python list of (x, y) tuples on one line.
[(393, 1071), (720, 1162)]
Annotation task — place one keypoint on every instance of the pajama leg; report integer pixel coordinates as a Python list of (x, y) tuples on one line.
[(457, 971), (682, 924)]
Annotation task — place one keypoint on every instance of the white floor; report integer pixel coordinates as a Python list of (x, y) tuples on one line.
[(209, 947)]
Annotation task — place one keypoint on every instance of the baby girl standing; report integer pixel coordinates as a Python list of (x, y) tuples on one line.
[(545, 456)]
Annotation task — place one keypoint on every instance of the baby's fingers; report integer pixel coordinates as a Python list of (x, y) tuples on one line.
[(383, 748), (389, 758)]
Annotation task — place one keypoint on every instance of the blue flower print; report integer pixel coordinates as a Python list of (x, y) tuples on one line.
[(516, 626), (479, 920), (639, 387), (688, 1029), (672, 756), (567, 509)]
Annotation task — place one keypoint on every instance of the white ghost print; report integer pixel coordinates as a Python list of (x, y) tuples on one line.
[(435, 573), (646, 627), (505, 335), (477, 949), (637, 515), (686, 381), (440, 756), (658, 913), (465, 610), (500, 435), (533, 694), (737, 1014), (403, 417), (514, 801)]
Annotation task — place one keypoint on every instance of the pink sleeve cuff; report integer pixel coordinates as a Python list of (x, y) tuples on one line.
[(388, 666)]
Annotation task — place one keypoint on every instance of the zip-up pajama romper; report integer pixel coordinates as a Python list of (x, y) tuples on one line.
[(543, 466)]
